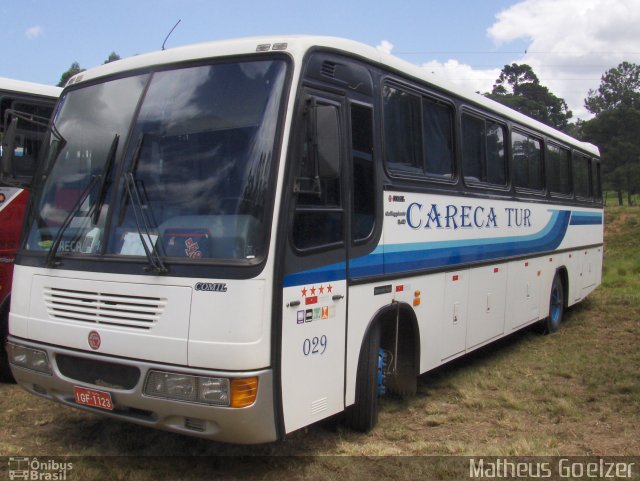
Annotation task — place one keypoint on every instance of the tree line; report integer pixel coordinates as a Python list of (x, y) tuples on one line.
[(615, 127), (76, 69)]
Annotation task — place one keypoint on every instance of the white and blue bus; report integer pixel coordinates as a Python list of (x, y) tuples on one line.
[(237, 239)]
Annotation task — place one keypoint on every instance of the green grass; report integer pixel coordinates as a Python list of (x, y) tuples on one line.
[(575, 392), (621, 272), (611, 199)]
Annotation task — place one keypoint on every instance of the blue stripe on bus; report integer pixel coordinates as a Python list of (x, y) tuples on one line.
[(397, 258), (330, 273), (586, 218)]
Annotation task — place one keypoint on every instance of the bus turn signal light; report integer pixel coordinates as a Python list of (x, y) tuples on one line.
[(243, 392)]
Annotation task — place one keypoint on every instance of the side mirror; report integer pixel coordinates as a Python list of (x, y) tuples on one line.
[(8, 147), (321, 159)]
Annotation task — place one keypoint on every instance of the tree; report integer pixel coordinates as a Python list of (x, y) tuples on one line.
[(518, 87), (73, 70), (619, 87), (76, 69), (616, 133), (615, 127), (112, 57)]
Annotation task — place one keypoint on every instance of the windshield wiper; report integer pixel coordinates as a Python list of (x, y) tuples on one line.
[(147, 241), (53, 250), (100, 178), (105, 177), (139, 216)]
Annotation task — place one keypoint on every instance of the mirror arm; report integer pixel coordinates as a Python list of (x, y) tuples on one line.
[(7, 174), (8, 142)]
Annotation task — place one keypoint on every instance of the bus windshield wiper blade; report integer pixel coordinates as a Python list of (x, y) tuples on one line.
[(104, 177), (53, 250), (148, 243), (100, 178)]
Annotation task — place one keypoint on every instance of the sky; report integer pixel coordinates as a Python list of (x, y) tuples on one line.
[(569, 44)]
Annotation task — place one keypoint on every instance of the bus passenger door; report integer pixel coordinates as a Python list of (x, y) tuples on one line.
[(314, 290)]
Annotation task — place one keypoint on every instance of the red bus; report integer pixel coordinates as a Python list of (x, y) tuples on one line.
[(28, 106)]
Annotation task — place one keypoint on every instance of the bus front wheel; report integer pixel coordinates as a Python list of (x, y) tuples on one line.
[(363, 415)]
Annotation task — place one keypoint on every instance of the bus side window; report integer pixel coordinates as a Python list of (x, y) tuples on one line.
[(581, 176), (402, 131), (483, 151), (527, 161), (363, 182), (319, 215), (558, 170), (437, 126)]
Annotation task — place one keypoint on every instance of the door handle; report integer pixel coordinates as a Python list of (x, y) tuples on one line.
[(293, 304), (337, 297)]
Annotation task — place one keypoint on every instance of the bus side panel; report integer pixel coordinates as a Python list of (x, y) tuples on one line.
[(313, 352), (453, 324), (574, 267), (590, 269), (584, 266), (523, 292), (12, 206), (488, 288), (20, 302)]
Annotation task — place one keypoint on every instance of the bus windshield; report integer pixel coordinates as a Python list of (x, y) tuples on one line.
[(175, 162)]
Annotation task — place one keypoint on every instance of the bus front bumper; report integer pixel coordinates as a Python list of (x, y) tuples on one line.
[(253, 424)]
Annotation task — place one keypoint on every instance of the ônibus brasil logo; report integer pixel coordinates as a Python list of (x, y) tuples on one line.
[(36, 470)]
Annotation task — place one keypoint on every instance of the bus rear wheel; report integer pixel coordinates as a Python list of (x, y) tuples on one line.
[(363, 415), (556, 306)]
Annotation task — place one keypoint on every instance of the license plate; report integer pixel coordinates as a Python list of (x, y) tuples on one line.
[(91, 397)]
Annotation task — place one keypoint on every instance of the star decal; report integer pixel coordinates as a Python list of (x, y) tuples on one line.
[(304, 292), (330, 288)]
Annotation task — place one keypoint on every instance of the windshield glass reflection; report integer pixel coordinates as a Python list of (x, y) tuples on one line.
[(197, 165)]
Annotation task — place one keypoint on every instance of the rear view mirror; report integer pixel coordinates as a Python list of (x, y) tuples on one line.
[(321, 159), (328, 137)]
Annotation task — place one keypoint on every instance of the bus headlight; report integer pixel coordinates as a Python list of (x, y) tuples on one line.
[(180, 387), (184, 387), (28, 358), (213, 390)]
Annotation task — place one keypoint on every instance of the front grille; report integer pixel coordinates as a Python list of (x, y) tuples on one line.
[(98, 373), (137, 312)]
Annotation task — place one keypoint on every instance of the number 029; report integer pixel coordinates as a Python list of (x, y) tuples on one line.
[(315, 345)]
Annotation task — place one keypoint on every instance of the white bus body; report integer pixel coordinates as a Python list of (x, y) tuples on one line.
[(336, 271)]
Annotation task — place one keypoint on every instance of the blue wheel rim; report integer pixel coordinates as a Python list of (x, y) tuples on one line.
[(556, 304)]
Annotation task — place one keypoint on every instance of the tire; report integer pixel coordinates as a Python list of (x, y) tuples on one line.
[(5, 371), (363, 415), (556, 306)]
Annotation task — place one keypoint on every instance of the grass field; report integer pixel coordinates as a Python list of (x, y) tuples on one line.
[(573, 393)]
